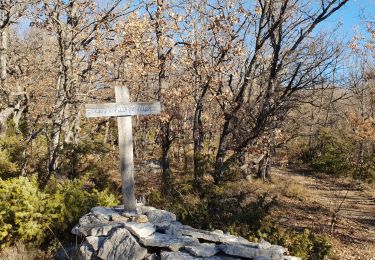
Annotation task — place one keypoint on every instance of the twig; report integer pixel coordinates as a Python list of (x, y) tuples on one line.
[(334, 214), (58, 240)]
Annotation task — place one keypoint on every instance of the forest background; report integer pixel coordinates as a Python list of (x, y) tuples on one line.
[(245, 86)]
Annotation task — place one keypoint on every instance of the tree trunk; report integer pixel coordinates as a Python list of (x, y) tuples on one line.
[(264, 167), (219, 169), (164, 125), (5, 113), (166, 144), (198, 135)]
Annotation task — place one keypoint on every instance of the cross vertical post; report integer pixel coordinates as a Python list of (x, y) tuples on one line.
[(125, 142)]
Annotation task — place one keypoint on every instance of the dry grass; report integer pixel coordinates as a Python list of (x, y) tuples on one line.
[(20, 252), (296, 191), (280, 186)]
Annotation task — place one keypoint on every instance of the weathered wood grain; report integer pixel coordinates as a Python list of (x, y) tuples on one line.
[(125, 138), (122, 109)]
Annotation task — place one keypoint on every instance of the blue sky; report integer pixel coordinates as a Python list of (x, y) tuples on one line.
[(350, 17)]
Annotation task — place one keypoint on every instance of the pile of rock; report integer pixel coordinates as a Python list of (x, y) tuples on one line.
[(150, 233)]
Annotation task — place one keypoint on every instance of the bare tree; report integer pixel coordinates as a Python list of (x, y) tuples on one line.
[(14, 100), (80, 32), (284, 58)]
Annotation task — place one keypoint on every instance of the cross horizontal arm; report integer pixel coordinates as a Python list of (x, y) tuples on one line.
[(118, 109)]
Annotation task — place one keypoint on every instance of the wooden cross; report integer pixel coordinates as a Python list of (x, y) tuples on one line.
[(124, 109)]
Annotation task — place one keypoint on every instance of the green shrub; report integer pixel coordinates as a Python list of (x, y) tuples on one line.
[(78, 198), (366, 171), (322, 247), (26, 212), (306, 245), (7, 167), (32, 216), (333, 153), (336, 152), (11, 150)]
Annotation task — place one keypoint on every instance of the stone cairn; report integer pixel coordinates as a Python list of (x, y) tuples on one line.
[(151, 234)]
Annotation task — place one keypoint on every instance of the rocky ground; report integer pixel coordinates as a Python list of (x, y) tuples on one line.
[(150, 233)]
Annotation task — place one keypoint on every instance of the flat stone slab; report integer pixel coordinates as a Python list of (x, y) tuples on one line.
[(119, 218), (263, 244), (121, 245), (249, 251), (104, 212), (185, 256), (176, 255), (86, 222), (214, 236), (91, 218), (174, 243), (203, 250), (158, 215), (99, 229), (261, 258), (140, 230), (292, 258)]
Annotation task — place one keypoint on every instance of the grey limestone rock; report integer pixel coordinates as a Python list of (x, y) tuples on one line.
[(95, 242), (174, 243), (218, 231), (152, 257), (185, 256), (261, 258), (263, 244), (99, 229), (177, 256), (120, 218), (104, 212), (86, 252), (251, 251), (212, 236), (121, 245), (174, 228), (203, 250), (292, 258), (91, 218), (159, 215), (140, 230), (86, 222), (160, 218)]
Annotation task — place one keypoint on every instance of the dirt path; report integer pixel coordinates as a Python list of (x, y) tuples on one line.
[(354, 224)]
